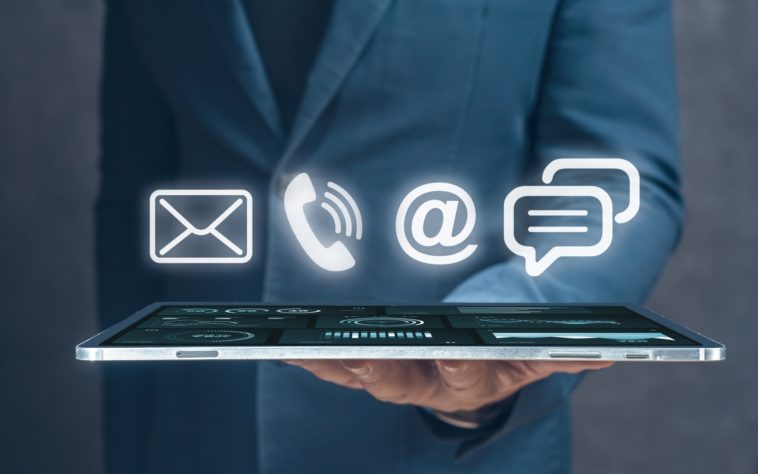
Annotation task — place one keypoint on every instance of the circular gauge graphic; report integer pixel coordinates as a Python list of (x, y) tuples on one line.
[(246, 310), (210, 336), (298, 310), (382, 322), (198, 310), (216, 322)]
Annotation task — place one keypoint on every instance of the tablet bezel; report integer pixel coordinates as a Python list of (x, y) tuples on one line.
[(709, 350)]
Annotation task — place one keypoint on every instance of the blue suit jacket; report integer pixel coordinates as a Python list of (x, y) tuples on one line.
[(480, 93)]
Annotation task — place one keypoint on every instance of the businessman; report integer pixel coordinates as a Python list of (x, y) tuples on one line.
[(381, 96)]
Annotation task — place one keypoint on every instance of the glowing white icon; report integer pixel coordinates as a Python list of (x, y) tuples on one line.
[(602, 164), (335, 257), (233, 250), (535, 266), (446, 235)]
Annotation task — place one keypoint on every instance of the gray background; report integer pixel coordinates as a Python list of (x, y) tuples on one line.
[(631, 419)]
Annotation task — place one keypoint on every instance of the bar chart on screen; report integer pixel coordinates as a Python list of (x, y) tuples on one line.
[(377, 335)]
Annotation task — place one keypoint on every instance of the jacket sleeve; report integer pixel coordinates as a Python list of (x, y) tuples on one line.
[(607, 90)]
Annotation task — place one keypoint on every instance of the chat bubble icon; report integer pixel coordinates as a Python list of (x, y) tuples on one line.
[(602, 164), (536, 266)]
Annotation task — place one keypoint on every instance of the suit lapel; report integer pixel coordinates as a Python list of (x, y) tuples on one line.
[(232, 30), (350, 28)]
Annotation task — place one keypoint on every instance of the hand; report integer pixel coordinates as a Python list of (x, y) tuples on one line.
[(441, 385)]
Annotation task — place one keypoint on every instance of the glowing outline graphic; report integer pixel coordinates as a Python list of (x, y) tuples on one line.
[(243, 256), (535, 267), (464, 233)]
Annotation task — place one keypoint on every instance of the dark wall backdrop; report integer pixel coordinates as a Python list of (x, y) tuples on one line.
[(49, 70), (693, 417), (630, 419)]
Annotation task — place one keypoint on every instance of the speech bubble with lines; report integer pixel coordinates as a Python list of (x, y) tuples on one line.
[(536, 266)]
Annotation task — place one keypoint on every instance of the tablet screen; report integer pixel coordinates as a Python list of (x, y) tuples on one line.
[(467, 325)]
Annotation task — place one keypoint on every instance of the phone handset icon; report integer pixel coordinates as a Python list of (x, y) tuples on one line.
[(300, 192)]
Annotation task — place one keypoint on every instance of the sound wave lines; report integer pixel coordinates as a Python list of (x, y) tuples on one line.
[(339, 201)]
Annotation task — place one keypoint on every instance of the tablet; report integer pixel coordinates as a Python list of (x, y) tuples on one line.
[(190, 331)]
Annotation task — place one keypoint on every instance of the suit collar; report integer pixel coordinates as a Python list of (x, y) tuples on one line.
[(232, 30), (350, 28)]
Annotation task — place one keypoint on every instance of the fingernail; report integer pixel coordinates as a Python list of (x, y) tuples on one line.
[(452, 367), (361, 369)]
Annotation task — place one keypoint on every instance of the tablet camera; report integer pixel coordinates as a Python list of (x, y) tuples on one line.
[(382, 322)]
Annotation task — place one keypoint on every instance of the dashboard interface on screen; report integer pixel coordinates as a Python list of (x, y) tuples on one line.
[(507, 325)]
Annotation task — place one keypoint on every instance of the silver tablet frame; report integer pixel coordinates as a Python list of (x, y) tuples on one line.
[(709, 350)]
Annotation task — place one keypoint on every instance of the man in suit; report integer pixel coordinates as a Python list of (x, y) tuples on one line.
[(381, 96)]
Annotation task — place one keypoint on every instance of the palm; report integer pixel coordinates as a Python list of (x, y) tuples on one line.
[(446, 386)]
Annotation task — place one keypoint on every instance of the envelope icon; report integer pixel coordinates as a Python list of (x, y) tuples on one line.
[(216, 228)]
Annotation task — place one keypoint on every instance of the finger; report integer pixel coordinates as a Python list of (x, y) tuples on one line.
[(573, 367), (390, 381), (466, 385), (468, 382), (329, 371), (461, 374), (591, 365)]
